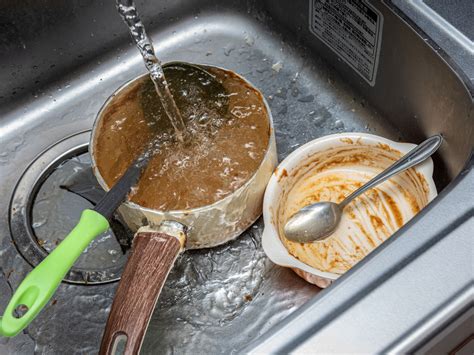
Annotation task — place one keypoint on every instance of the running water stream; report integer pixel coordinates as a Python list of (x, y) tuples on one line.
[(128, 12)]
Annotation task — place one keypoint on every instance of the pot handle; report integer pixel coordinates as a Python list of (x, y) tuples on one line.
[(152, 257)]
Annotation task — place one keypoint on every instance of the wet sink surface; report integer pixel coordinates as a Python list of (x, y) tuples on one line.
[(215, 300)]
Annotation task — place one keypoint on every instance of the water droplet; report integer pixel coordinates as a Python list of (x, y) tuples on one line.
[(228, 49), (338, 124), (277, 67), (308, 98), (282, 93), (249, 40)]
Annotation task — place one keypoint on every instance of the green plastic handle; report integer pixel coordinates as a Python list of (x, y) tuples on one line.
[(40, 284)]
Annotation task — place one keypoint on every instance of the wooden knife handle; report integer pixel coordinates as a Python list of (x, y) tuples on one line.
[(152, 257)]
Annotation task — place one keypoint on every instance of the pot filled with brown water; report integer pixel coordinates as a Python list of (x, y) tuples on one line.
[(194, 194)]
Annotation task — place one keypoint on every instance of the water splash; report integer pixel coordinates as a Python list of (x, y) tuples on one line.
[(128, 12)]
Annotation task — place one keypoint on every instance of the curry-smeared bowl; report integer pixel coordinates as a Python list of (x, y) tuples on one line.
[(329, 168)]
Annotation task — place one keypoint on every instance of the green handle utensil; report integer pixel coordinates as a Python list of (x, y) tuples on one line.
[(40, 284)]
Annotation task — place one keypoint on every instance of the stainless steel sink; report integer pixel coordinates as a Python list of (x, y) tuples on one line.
[(60, 62)]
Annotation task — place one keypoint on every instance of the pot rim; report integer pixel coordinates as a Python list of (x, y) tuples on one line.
[(271, 242), (134, 205)]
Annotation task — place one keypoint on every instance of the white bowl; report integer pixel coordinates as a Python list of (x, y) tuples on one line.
[(272, 244)]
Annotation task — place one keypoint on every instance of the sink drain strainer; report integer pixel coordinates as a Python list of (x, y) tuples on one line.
[(43, 211)]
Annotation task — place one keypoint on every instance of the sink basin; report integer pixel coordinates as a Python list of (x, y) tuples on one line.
[(58, 65)]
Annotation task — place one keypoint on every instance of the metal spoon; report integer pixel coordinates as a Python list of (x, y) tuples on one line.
[(319, 220)]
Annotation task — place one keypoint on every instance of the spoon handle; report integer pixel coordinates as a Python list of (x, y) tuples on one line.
[(412, 158)]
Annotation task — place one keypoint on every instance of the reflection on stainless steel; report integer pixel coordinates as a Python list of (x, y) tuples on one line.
[(231, 292), (58, 67)]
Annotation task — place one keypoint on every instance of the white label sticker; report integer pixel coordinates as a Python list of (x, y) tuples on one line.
[(352, 29)]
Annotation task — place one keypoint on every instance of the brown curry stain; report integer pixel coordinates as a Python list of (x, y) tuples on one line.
[(389, 149), (423, 182), (387, 215), (356, 247), (394, 209), (409, 198), (283, 174), (354, 157), (376, 222), (361, 228), (346, 140)]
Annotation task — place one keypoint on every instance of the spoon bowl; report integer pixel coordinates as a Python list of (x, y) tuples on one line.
[(314, 222)]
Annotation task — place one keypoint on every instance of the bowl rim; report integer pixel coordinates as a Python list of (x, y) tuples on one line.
[(271, 242)]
